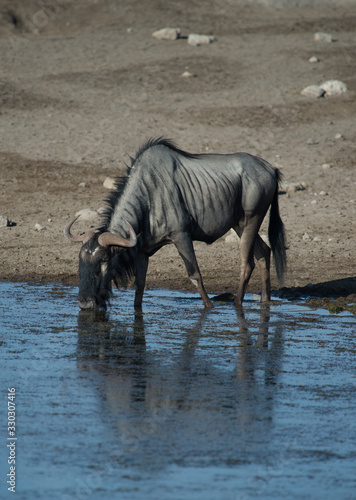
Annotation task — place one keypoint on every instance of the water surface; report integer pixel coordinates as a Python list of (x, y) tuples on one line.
[(176, 402)]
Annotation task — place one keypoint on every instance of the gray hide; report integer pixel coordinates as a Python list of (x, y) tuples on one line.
[(174, 197)]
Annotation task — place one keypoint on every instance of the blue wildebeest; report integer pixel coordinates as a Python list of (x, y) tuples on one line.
[(171, 196)]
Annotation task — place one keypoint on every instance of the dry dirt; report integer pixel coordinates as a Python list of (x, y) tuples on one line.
[(83, 84)]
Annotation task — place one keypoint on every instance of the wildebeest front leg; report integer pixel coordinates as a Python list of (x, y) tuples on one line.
[(141, 271), (185, 248)]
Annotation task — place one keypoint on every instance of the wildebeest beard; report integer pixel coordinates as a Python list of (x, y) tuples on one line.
[(99, 267)]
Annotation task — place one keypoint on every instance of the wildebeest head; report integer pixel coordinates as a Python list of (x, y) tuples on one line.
[(96, 264)]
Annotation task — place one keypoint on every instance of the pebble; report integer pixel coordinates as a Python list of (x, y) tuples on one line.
[(82, 184), (39, 227), (312, 142), (313, 91), (313, 59), (292, 187), (323, 37), (167, 34), (314, 202), (187, 74), (306, 237), (196, 40), (231, 237), (339, 136), (328, 88), (326, 166), (109, 183), (333, 87), (4, 221), (86, 213)]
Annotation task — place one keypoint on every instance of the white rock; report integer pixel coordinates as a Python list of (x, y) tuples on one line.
[(312, 141), (314, 202), (187, 74), (196, 40), (339, 136), (323, 37), (39, 227), (87, 214), (306, 237), (4, 221), (326, 166), (82, 184), (313, 59), (334, 87), (231, 237), (313, 91), (292, 187), (109, 183), (167, 34)]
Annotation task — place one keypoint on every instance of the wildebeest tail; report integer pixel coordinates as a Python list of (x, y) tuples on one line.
[(276, 235)]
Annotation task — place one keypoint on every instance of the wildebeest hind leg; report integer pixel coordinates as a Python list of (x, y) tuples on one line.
[(263, 256), (185, 248), (248, 234)]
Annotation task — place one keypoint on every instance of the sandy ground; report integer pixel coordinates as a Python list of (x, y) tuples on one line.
[(84, 84)]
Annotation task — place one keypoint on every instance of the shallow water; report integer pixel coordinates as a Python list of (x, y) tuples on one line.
[(176, 402)]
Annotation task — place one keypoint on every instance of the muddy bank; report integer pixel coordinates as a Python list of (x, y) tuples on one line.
[(85, 89)]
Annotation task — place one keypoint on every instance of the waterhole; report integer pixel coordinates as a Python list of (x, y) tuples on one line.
[(176, 402)]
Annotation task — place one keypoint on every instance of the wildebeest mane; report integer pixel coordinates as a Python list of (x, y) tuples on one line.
[(125, 259), (121, 181), (161, 141)]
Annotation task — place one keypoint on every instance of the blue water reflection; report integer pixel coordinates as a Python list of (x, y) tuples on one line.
[(177, 402)]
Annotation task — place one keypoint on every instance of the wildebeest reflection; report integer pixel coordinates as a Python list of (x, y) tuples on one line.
[(192, 403)]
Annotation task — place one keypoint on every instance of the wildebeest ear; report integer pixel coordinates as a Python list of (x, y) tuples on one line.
[(107, 239)]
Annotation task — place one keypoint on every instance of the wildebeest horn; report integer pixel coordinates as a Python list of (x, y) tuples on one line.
[(106, 239), (82, 238)]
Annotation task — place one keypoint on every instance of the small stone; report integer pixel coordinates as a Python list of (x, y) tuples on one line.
[(102, 210), (187, 74), (313, 91), (109, 183), (313, 59), (4, 221), (167, 34), (306, 237), (334, 87), (317, 238), (314, 202), (326, 166), (82, 184), (292, 187), (86, 213), (339, 136), (39, 227), (323, 37), (196, 40), (231, 237), (323, 193), (312, 142)]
